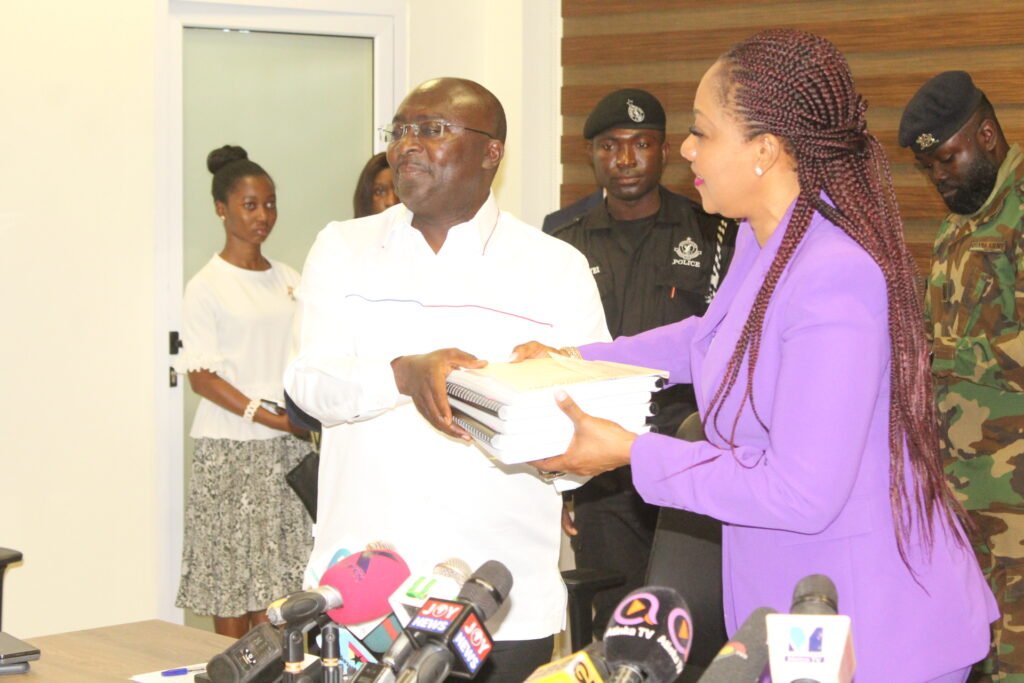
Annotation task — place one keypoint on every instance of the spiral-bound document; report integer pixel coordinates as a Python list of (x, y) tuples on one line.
[(634, 410), (510, 408), (524, 446)]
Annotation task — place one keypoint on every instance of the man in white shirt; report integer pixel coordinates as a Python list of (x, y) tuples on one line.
[(447, 270)]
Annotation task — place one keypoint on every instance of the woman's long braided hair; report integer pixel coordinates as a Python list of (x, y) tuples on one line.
[(798, 87)]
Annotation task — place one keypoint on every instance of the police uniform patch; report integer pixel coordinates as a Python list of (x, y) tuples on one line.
[(688, 253)]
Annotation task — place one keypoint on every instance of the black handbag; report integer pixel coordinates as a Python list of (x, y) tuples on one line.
[(303, 477), (303, 480)]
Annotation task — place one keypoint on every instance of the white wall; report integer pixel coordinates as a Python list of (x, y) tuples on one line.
[(77, 412), (83, 352), (510, 47)]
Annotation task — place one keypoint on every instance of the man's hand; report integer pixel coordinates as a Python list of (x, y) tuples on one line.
[(597, 445), (423, 378), (568, 523), (533, 349)]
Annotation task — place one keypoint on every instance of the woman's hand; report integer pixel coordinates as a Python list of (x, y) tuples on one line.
[(216, 389), (597, 445), (422, 378), (533, 349), (280, 422)]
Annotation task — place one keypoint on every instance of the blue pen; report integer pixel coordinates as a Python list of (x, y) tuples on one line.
[(184, 670)]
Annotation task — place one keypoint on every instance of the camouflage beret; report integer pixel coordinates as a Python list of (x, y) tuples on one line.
[(629, 108), (939, 109)]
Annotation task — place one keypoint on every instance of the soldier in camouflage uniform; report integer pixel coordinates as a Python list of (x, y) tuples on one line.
[(974, 313)]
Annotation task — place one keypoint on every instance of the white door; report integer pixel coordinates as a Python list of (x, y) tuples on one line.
[(302, 106), (302, 84)]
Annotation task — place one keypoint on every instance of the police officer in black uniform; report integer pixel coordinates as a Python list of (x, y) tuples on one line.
[(657, 258)]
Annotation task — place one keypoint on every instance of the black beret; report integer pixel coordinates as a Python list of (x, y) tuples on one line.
[(629, 108), (939, 109)]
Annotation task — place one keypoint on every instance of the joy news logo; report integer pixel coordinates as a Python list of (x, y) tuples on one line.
[(472, 643), (436, 616)]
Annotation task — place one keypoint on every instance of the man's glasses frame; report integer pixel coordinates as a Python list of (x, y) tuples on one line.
[(425, 130)]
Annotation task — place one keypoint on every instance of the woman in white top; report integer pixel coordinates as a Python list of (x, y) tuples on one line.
[(247, 536)]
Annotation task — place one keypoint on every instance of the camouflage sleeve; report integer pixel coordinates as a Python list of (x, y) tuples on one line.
[(1007, 350), (996, 358)]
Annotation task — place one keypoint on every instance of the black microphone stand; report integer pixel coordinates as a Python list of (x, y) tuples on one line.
[(330, 653), (294, 654)]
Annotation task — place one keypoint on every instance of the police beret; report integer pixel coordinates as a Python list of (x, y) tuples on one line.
[(629, 108), (939, 109)]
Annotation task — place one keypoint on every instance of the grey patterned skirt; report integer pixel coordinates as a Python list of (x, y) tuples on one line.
[(247, 535)]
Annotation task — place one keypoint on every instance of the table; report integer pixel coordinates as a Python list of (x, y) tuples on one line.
[(116, 653)]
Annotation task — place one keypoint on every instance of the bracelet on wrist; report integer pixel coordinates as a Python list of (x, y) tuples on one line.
[(250, 410), (571, 352)]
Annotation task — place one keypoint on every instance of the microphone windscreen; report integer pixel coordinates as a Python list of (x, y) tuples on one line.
[(453, 568), (487, 588), (815, 594), (744, 657), (365, 580), (380, 545), (651, 629)]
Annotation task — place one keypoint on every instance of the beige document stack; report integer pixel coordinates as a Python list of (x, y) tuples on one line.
[(510, 408)]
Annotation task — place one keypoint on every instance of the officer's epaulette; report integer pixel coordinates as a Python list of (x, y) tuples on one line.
[(566, 226)]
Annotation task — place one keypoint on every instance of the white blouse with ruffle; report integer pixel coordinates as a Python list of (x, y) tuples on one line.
[(238, 323)]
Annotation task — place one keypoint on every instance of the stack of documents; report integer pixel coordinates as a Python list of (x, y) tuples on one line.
[(510, 408)]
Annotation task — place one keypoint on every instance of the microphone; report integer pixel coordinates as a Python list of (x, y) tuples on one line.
[(812, 644), (304, 606), (445, 581), (744, 657), (584, 666), (365, 580), (255, 657), (388, 637), (383, 636), (815, 594), (448, 636), (648, 637)]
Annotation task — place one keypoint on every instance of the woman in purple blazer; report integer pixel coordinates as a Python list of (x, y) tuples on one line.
[(811, 374)]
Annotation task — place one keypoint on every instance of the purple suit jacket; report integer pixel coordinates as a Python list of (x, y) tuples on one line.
[(810, 495)]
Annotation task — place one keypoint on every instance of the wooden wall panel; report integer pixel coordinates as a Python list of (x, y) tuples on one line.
[(893, 46)]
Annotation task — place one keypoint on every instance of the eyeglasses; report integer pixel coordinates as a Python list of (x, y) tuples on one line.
[(425, 130)]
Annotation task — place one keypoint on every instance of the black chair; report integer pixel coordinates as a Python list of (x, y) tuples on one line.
[(583, 584), (7, 556), (687, 555)]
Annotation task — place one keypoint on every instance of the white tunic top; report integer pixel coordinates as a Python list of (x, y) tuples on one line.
[(374, 290), (239, 324)]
